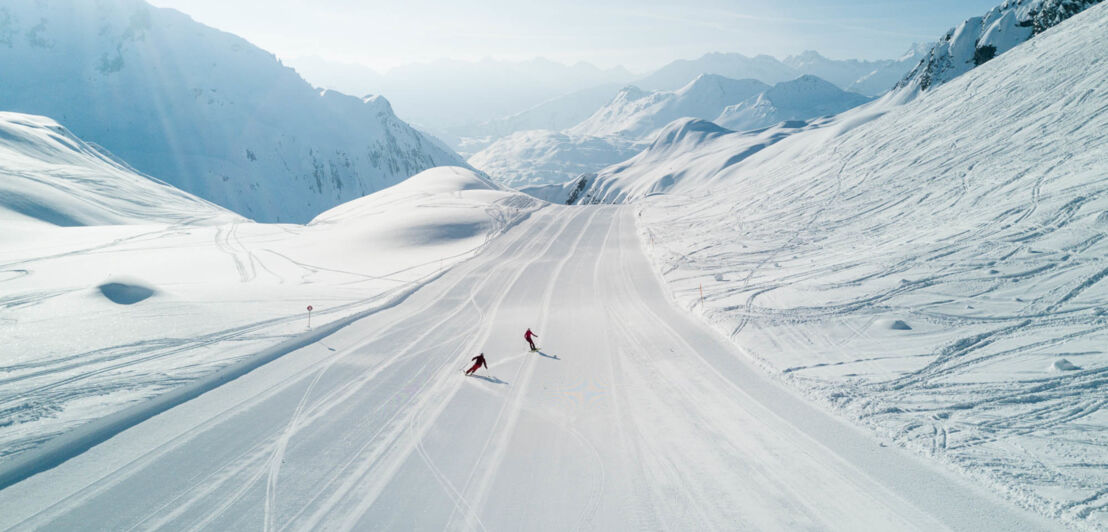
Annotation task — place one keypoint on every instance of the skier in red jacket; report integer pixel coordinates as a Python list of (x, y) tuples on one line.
[(527, 336), (480, 361)]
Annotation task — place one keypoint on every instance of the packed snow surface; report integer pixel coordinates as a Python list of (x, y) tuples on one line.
[(631, 416), (973, 215), (97, 319)]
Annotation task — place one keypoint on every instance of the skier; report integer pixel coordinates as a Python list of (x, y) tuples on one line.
[(527, 336), (480, 361)]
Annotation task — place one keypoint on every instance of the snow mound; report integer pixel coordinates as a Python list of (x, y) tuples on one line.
[(439, 207), (126, 293), (1063, 365), (49, 176), (894, 325)]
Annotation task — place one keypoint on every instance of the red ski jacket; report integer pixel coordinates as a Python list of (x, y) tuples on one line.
[(527, 335)]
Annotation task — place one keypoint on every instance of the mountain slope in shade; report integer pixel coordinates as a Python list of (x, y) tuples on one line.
[(799, 99), (201, 109), (47, 175)]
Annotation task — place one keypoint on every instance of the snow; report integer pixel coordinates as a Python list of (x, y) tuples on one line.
[(972, 213), (632, 120), (979, 39), (148, 307), (638, 115), (632, 416), (203, 110), (891, 318), (49, 176), (542, 157), (803, 98)]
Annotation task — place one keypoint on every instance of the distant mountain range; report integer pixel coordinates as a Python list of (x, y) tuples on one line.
[(448, 96), (633, 119), (457, 99)]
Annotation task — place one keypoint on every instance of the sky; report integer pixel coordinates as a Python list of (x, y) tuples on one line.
[(641, 35)]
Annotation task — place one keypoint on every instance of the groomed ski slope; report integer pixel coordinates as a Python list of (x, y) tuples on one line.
[(632, 416)]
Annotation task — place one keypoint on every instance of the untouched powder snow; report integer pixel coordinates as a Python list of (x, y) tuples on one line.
[(97, 319), (47, 175), (934, 270), (203, 110)]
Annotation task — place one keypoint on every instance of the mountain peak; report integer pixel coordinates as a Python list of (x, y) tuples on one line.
[(684, 131)]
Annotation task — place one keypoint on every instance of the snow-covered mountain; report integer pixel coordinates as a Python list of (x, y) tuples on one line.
[(764, 68), (889, 73), (980, 39), (636, 118), (543, 156), (554, 114), (48, 175), (869, 78), (637, 114), (616, 131), (687, 150), (799, 99), (454, 96), (933, 265), (203, 110)]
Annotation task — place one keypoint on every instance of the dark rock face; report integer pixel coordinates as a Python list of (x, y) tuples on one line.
[(953, 55)]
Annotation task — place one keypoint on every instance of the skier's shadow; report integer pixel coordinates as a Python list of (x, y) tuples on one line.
[(494, 380), (553, 357)]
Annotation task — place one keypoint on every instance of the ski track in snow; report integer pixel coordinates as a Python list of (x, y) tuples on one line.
[(615, 423), (974, 216)]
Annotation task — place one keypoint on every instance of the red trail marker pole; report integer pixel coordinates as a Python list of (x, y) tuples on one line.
[(309, 316)]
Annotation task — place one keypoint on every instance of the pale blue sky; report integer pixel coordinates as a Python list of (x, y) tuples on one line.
[(639, 34)]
